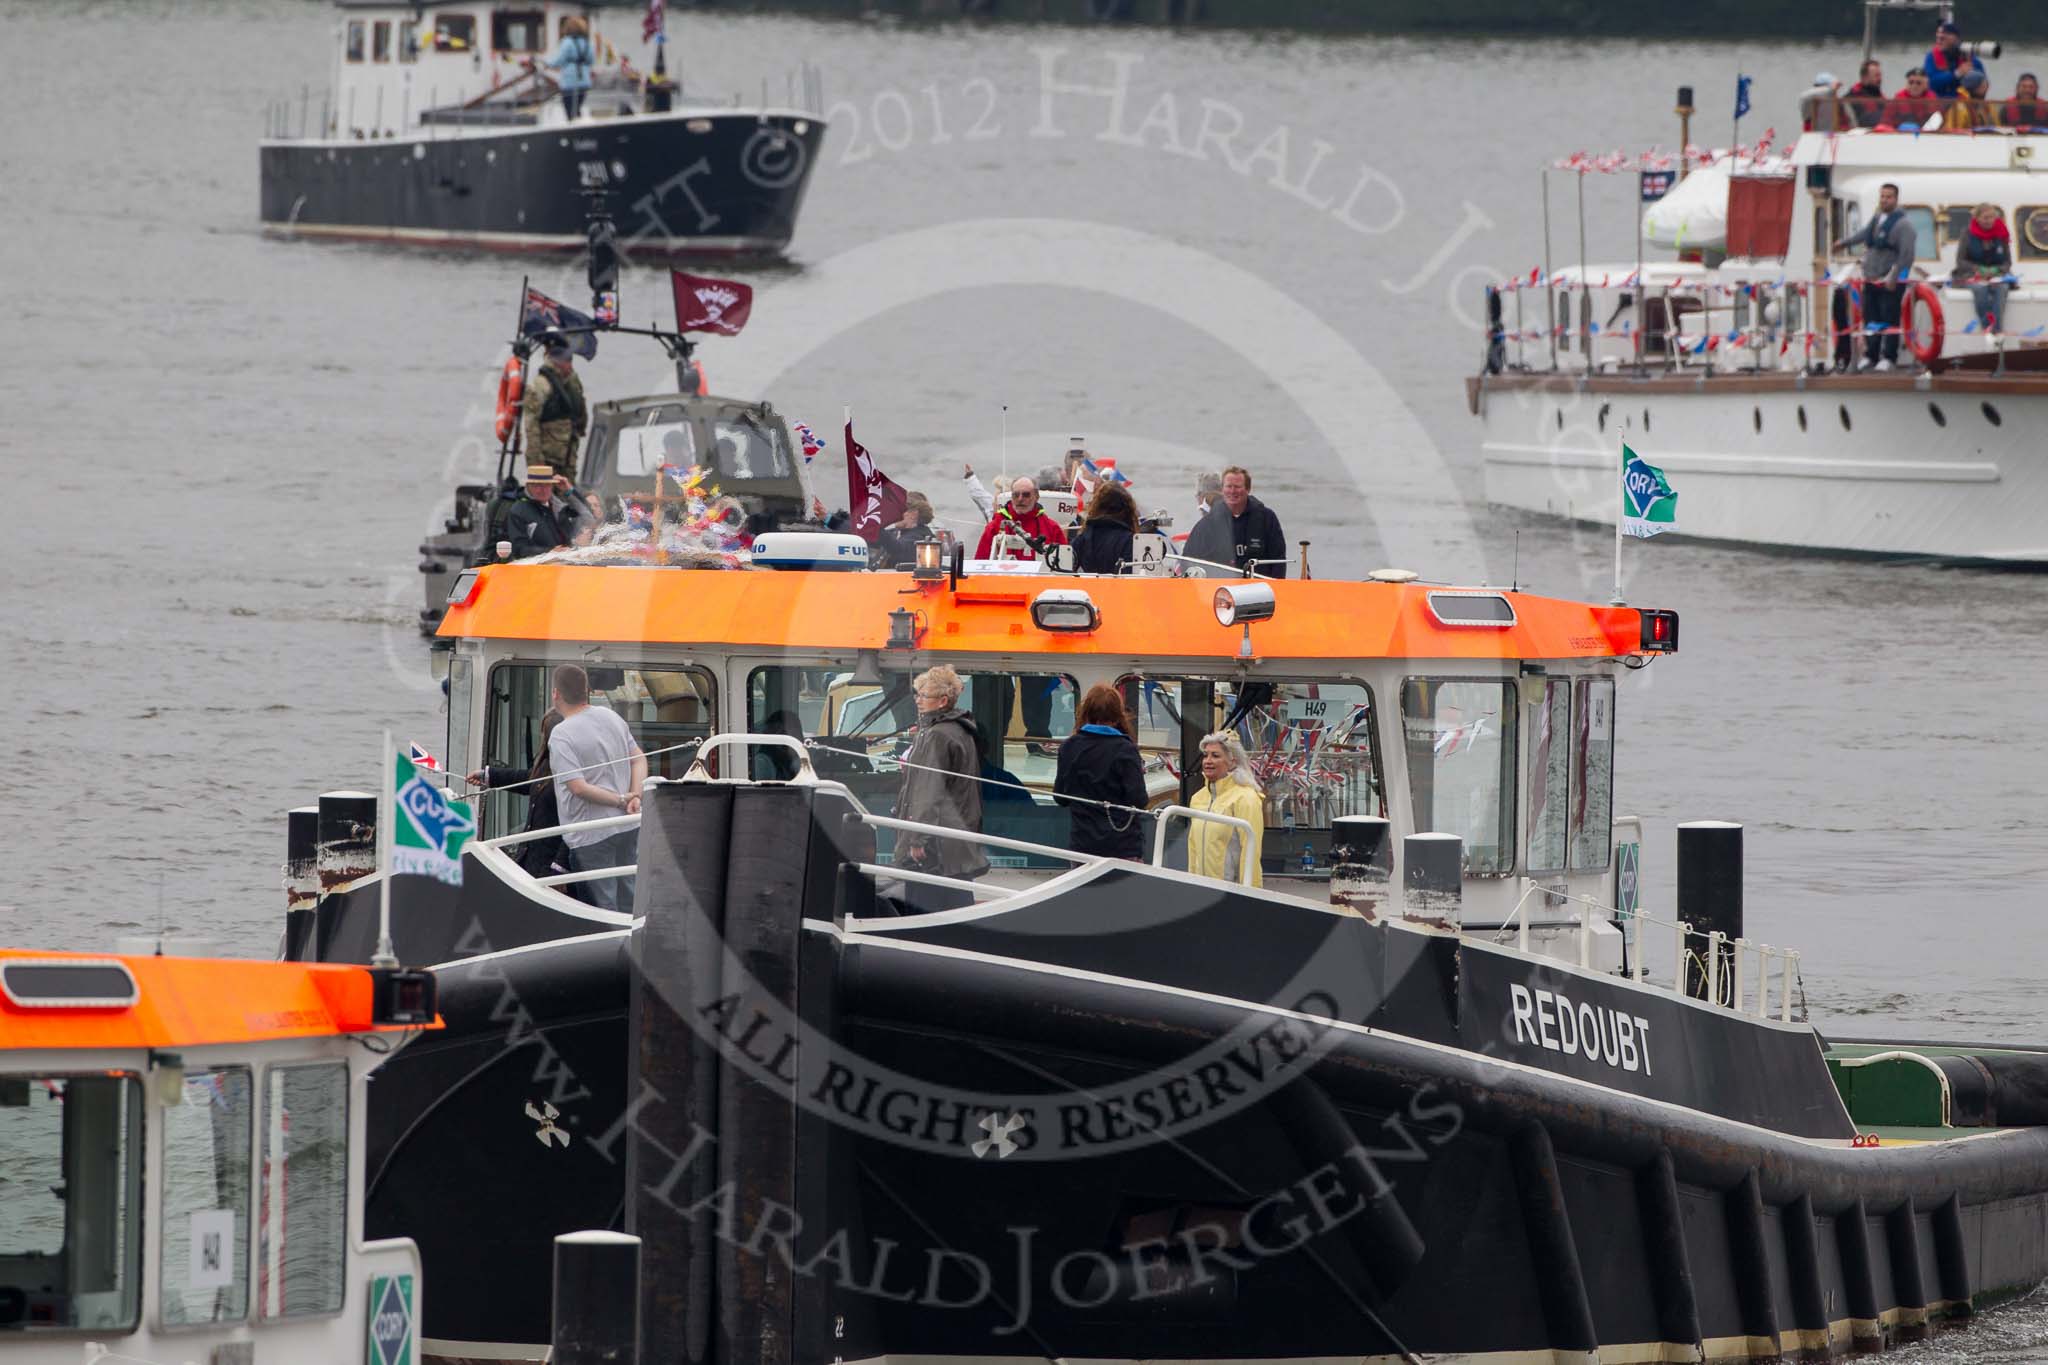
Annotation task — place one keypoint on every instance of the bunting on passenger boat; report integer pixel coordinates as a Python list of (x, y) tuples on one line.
[(707, 305), (544, 314), (429, 830), (1649, 504)]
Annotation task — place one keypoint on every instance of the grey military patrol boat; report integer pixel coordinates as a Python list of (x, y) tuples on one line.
[(741, 446)]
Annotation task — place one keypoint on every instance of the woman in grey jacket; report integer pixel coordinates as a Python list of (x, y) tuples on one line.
[(941, 787)]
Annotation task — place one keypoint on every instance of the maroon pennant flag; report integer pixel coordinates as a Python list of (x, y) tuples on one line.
[(707, 305), (873, 499)]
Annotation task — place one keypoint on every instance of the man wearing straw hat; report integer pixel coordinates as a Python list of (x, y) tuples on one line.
[(540, 522)]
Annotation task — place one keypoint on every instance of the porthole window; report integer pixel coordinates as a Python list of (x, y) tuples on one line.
[(1756, 419), (1940, 417), (1844, 410), (1646, 419), (1802, 416), (1559, 414), (1602, 418), (1991, 416), (2033, 233)]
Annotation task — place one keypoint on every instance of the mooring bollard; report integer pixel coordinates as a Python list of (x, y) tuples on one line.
[(301, 878), (1361, 864), (345, 836), (1710, 893), (597, 1299), (1432, 879)]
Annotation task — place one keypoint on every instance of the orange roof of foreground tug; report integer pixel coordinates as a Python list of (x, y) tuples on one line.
[(162, 1002), (1165, 617)]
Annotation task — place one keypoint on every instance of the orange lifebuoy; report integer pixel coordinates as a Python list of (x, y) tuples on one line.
[(511, 393), (1929, 351)]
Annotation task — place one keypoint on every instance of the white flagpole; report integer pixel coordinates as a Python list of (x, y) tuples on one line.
[(1620, 515), (387, 810), (1006, 445)]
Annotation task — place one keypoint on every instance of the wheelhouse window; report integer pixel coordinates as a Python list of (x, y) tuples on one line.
[(1955, 222), (354, 44), (857, 730), (408, 40), (461, 702), (302, 1225), (1550, 768), (1592, 813), (204, 1264), (454, 32), (669, 708), (380, 41), (655, 437), (70, 1203), (518, 30), (1312, 747), (1460, 735), (1925, 247), (748, 449), (2033, 233)]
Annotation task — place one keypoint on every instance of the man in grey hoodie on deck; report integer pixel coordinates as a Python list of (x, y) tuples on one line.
[(1888, 243)]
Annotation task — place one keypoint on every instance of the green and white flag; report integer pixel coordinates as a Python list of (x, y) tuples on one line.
[(1649, 504), (427, 829)]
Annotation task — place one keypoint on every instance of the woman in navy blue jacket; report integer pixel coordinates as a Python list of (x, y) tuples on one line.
[(1099, 763)]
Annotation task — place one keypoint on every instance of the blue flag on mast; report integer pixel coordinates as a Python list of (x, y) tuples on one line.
[(1741, 96)]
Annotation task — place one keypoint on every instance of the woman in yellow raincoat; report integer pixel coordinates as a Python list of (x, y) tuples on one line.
[(1228, 788)]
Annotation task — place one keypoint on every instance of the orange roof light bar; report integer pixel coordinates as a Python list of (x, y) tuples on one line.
[(95, 1000), (1137, 617)]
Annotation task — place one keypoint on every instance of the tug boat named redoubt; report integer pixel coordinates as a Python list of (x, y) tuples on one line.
[(1425, 1081)]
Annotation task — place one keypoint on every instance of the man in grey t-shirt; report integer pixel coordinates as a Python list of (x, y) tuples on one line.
[(1888, 250), (599, 770)]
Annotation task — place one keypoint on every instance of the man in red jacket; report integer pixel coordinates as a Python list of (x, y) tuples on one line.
[(1020, 517)]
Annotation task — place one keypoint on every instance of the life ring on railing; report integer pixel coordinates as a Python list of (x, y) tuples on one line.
[(1929, 351), (511, 393)]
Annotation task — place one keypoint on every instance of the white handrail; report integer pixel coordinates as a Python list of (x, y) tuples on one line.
[(596, 874), (1244, 864), (974, 837), (976, 889), (805, 774), (524, 836)]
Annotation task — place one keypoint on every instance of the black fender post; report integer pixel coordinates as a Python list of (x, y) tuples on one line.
[(1560, 1282), (1678, 1310), (1951, 1257), (1909, 1284), (1859, 1281), (1802, 1265), (672, 1081), (1751, 1255), (1384, 1238)]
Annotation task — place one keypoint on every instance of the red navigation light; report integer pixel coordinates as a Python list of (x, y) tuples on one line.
[(1660, 632)]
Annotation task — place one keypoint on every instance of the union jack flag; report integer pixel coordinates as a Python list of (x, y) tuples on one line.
[(808, 439), (422, 759)]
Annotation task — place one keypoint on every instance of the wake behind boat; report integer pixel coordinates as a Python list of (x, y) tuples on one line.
[(445, 126)]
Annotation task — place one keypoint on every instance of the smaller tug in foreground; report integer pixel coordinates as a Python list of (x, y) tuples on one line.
[(182, 1160)]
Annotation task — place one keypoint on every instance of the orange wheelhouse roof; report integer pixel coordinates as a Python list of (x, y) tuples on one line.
[(1163, 617), (192, 1002)]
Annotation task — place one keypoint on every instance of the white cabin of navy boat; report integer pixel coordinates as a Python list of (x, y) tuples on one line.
[(1750, 375), (446, 124)]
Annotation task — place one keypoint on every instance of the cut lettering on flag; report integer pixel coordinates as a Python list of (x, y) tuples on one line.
[(427, 829), (424, 758), (544, 314), (707, 305), (809, 441), (1649, 504), (873, 499)]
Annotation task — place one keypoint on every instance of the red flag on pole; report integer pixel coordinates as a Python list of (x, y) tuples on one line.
[(707, 305), (873, 499), (656, 20)]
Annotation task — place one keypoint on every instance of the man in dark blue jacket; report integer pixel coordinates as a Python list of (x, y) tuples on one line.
[(1240, 530), (1947, 61)]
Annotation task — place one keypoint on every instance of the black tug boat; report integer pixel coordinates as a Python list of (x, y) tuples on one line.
[(1396, 1103), (435, 133)]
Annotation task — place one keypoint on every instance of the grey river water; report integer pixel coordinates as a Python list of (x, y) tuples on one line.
[(223, 448)]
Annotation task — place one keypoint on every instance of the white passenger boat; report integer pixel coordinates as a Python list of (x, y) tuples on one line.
[(1724, 371)]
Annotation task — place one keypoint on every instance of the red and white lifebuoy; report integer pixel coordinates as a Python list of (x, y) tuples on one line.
[(511, 393), (1925, 347)]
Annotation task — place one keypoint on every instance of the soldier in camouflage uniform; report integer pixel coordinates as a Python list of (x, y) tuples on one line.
[(555, 415)]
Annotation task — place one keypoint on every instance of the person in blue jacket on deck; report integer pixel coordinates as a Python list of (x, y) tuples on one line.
[(572, 63), (1947, 62)]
